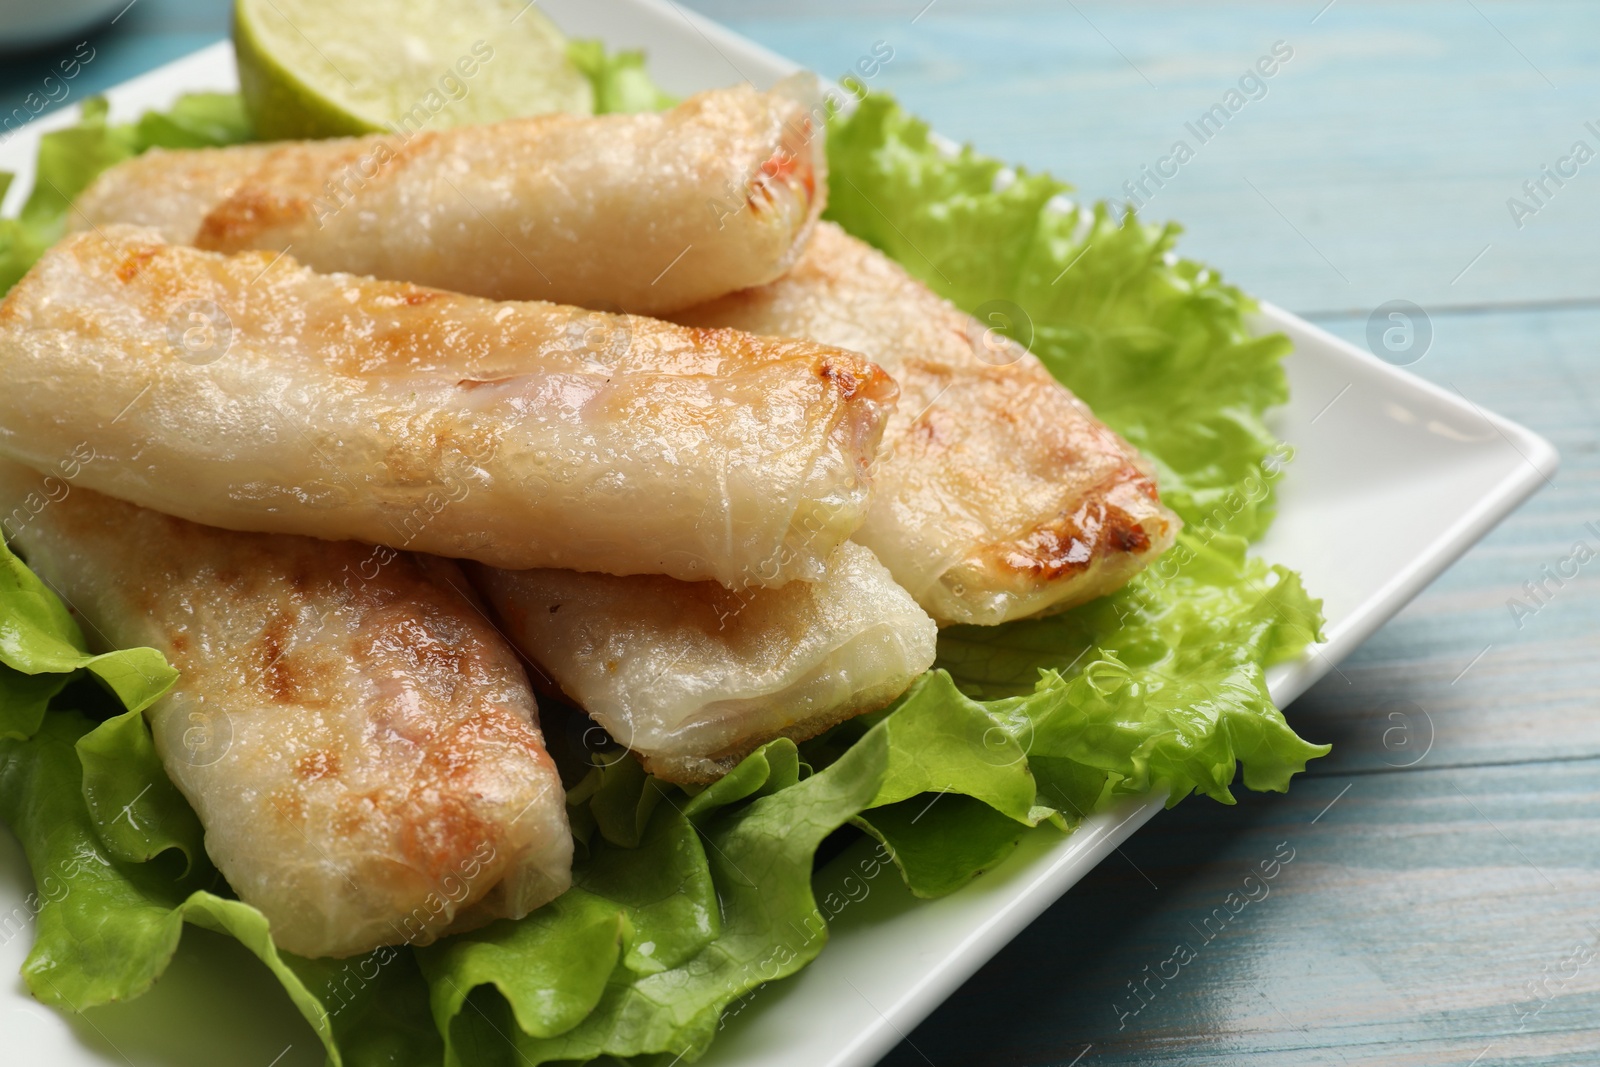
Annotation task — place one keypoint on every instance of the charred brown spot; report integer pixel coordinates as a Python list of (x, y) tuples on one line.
[(1068, 544), (844, 379), (134, 262), (234, 223), (274, 671), (853, 376), (418, 297), (1127, 535), (323, 763), (442, 822)]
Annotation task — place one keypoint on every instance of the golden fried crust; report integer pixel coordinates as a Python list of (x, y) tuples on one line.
[(999, 494), (170, 191), (645, 213), (360, 744), (517, 434)]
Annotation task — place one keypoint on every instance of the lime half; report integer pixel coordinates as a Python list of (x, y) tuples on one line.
[(326, 68)]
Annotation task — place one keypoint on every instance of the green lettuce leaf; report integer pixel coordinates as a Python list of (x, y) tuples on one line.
[(738, 856), (619, 79), (136, 810), (41, 647), (1159, 687), (942, 741), (70, 159), (1158, 346), (941, 843), (1172, 694)]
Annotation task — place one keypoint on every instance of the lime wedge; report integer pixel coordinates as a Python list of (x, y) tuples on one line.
[(327, 68)]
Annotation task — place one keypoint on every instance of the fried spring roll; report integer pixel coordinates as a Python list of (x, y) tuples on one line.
[(998, 495), (250, 393), (692, 677), (647, 213), (168, 190), (361, 746)]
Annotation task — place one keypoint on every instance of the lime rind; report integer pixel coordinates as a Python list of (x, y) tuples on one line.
[(327, 68)]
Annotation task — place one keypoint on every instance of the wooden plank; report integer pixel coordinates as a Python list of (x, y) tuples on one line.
[(1406, 929), (1531, 694), (1383, 152)]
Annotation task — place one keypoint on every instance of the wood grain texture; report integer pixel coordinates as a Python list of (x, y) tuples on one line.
[(1376, 166), (1459, 864)]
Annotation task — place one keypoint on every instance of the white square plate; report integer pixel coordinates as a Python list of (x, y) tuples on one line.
[(1393, 478)]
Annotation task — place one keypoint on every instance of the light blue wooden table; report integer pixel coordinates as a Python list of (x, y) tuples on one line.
[(1423, 906)]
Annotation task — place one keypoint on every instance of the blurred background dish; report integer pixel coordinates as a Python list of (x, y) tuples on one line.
[(26, 24)]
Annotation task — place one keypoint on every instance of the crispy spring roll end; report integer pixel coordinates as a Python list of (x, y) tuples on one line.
[(693, 677), (1090, 552), (999, 495)]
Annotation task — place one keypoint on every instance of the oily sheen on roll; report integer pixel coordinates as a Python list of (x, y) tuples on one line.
[(248, 392), (646, 213), (361, 746)]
